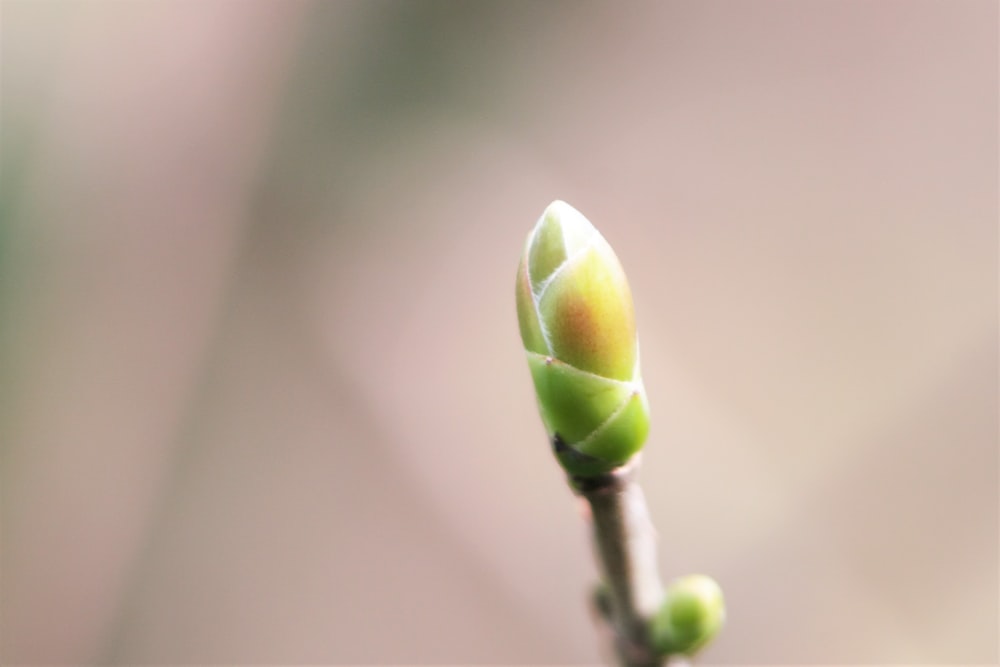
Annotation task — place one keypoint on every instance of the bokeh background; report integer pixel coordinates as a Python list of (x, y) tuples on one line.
[(263, 398)]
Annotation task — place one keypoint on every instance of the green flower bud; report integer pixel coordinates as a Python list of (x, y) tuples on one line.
[(575, 312), (692, 614)]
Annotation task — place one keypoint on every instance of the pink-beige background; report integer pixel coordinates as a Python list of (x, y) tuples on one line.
[(263, 398)]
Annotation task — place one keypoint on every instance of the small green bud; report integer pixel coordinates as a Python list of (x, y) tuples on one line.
[(691, 615), (575, 312)]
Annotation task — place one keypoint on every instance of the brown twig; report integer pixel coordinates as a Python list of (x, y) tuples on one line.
[(625, 544)]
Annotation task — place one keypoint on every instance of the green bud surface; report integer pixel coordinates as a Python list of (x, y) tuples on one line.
[(692, 613), (577, 324)]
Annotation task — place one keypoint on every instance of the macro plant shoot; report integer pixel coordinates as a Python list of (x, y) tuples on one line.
[(578, 328)]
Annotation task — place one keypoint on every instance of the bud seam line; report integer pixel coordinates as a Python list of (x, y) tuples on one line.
[(534, 301), (630, 384), (604, 424), (566, 262)]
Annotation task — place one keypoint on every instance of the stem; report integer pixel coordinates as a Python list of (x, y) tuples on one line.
[(625, 542)]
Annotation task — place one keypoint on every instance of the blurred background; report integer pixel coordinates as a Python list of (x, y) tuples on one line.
[(263, 397)]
